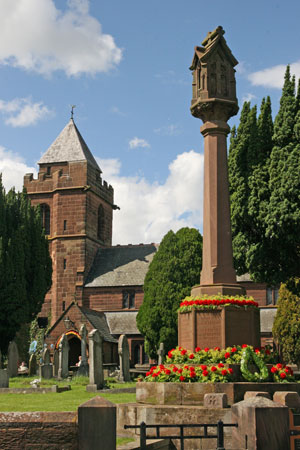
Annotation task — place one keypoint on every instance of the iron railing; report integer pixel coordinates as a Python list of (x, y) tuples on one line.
[(181, 436)]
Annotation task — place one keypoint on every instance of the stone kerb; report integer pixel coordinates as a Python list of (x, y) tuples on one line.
[(97, 424), (96, 377), (262, 425), (220, 327)]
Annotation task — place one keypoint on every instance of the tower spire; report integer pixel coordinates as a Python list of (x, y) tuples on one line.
[(72, 111)]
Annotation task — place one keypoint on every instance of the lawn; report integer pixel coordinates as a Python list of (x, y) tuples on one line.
[(65, 401)]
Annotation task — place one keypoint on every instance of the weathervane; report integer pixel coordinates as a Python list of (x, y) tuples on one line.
[(72, 111)]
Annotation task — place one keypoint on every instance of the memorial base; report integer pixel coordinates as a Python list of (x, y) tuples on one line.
[(216, 289)]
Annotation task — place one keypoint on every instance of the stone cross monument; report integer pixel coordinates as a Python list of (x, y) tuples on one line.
[(214, 102)]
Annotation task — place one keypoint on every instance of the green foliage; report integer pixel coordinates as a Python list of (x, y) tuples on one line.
[(248, 357), (286, 327), (174, 269), (25, 264), (264, 181)]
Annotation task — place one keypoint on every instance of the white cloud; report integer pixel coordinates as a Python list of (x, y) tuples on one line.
[(248, 97), (168, 130), (116, 110), (137, 143), (13, 169), (22, 112), (273, 77), (149, 210), (35, 35)]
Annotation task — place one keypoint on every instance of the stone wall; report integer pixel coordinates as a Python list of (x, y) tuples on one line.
[(38, 430)]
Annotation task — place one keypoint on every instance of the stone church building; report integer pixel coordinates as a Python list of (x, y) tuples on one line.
[(93, 282)]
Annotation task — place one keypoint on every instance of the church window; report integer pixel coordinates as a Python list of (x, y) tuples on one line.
[(65, 263), (100, 230), (45, 212), (48, 170), (65, 225), (272, 295), (128, 300)]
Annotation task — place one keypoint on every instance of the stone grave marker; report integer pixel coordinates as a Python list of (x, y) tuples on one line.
[(95, 361), (63, 363), (13, 358), (123, 350), (46, 356), (161, 353), (4, 378), (46, 369), (32, 365), (55, 362), (83, 369)]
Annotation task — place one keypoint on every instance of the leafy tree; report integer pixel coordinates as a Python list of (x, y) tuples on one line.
[(286, 328), (174, 269), (25, 264)]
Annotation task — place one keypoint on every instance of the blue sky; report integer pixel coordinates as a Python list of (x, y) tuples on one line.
[(125, 65)]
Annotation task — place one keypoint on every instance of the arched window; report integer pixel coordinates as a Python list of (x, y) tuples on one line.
[(101, 221), (45, 212)]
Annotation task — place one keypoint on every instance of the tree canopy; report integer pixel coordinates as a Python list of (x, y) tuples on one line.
[(25, 264), (175, 268), (264, 179)]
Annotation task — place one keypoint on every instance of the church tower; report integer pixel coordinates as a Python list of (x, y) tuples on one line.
[(76, 207)]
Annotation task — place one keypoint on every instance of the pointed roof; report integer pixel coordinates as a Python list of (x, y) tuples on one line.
[(68, 146)]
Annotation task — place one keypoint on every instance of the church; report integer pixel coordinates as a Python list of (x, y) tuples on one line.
[(93, 282)]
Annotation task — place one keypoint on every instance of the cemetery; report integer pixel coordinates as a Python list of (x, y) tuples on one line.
[(218, 371)]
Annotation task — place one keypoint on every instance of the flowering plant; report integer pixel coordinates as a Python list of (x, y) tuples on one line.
[(190, 374), (282, 373), (216, 301), (229, 355)]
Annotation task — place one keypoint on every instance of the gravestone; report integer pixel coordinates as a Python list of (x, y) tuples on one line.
[(4, 378), (83, 369), (55, 362), (46, 369), (161, 353), (95, 361), (63, 363), (123, 350), (13, 358), (32, 365), (46, 356)]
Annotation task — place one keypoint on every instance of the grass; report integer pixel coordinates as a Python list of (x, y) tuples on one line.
[(65, 401), (123, 441)]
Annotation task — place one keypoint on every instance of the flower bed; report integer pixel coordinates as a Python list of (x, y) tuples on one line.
[(213, 302)]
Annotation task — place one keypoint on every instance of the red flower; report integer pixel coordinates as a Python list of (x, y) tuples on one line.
[(287, 370), (193, 375), (205, 373), (213, 368), (155, 375), (283, 375), (257, 350), (206, 349), (179, 370), (197, 349), (167, 371), (203, 367), (279, 366), (175, 369), (181, 378), (220, 365), (274, 369), (148, 373), (244, 345), (217, 349), (170, 354), (224, 372), (267, 352), (191, 356), (233, 350), (227, 355), (183, 352)]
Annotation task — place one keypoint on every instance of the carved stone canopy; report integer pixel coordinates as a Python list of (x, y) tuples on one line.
[(214, 85)]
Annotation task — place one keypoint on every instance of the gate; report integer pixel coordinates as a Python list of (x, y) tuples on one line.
[(219, 436)]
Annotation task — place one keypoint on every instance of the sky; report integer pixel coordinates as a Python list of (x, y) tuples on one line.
[(125, 65)]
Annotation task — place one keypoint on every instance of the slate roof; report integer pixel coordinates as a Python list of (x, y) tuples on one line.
[(68, 146), (121, 265), (123, 322), (98, 321)]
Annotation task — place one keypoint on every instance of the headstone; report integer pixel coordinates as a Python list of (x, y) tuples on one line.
[(161, 353), (83, 369), (123, 350), (13, 358), (95, 361), (46, 371), (4, 378), (32, 365), (46, 356), (63, 364), (55, 362)]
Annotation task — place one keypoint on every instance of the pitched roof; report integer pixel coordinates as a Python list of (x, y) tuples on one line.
[(68, 146), (121, 265), (98, 321), (123, 322)]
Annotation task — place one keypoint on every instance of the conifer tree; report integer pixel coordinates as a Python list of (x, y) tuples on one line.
[(175, 268), (25, 264)]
